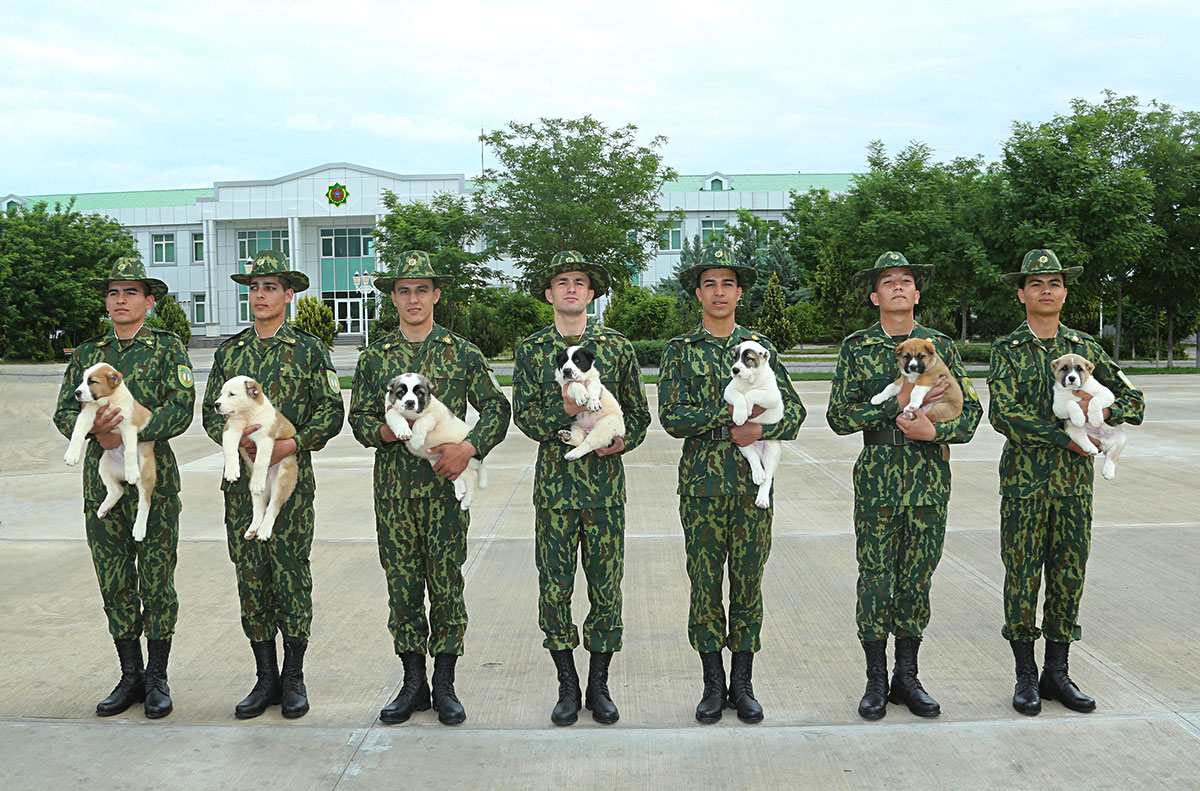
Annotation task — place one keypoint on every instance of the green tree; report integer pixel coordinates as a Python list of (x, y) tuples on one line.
[(773, 320), (641, 314), (316, 318), (807, 320), (173, 318), (574, 184), (521, 315)]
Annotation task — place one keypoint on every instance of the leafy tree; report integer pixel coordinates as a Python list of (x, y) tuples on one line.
[(47, 258), (316, 318), (521, 315), (574, 184), (173, 318), (482, 327), (773, 320), (807, 320), (640, 314)]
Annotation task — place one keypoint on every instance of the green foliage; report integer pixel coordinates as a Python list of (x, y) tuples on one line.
[(47, 258), (807, 321), (483, 328), (649, 353), (640, 314), (975, 352), (316, 318), (520, 315), (173, 318), (773, 320), (574, 184)]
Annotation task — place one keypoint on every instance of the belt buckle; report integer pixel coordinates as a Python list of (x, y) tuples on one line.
[(898, 437), (721, 433)]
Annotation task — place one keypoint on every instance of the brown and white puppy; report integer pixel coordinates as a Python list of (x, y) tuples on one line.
[(1072, 375), (753, 384), (131, 461), (410, 397), (604, 420), (244, 404), (920, 363)]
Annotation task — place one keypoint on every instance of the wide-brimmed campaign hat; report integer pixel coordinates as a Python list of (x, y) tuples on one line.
[(865, 279), (275, 263), (573, 261), (413, 264), (1041, 262), (130, 268), (717, 258)]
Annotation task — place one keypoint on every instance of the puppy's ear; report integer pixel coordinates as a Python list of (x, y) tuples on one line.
[(585, 357), (426, 383), (252, 389), (114, 378), (765, 354), (1089, 365), (560, 359)]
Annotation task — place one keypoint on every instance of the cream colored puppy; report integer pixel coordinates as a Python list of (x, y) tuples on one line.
[(604, 421), (132, 461), (410, 396), (1073, 374), (244, 404), (753, 384)]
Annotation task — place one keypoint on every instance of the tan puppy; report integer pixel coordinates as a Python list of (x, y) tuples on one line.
[(1073, 374), (410, 396), (920, 363), (604, 421), (244, 404), (132, 461)]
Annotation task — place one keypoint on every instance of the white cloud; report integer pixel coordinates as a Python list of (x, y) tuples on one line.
[(307, 122), (431, 130)]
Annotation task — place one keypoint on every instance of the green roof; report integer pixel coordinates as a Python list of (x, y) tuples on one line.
[(766, 182), (140, 199)]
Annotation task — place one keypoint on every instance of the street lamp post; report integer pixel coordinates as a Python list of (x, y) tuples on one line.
[(364, 282)]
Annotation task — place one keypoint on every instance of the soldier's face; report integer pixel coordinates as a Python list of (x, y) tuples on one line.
[(896, 291), (1043, 295), (127, 302), (269, 298), (718, 292), (414, 299), (570, 293)]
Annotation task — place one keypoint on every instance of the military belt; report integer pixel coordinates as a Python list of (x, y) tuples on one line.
[(893, 436), (719, 433)]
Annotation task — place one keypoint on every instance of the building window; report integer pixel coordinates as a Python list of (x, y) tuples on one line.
[(346, 252), (244, 305), (716, 185), (711, 230), (198, 309), (164, 248), (197, 248), (672, 238), (251, 243)]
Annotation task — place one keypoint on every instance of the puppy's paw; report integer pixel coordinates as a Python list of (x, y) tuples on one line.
[(265, 532), (758, 475), (574, 454), (405, 432), (763, 501), (132, 474), (249, 533), (565, 436), (232, 473), (73, 456), (258, 485), (878, 399), (740, 416), (581, 399), (593, 404), (139, 532), (1109, 470), (1095, 414), (103, 510)]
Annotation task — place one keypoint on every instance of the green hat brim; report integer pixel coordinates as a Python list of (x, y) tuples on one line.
[(297, 280), (158, 289), (865, 279), (598, 278), (689, 279), (384, 285), (1069, 274)]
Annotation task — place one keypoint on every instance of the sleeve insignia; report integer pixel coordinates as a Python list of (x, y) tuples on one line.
[(334, 384), (970, 388), (185, 376)]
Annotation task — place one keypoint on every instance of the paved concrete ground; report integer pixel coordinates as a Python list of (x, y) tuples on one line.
[(1140, 656)]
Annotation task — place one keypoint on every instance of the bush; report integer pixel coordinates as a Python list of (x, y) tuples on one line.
[(773, 321), (482, 328), (807, 319), (649, 353), (974, 352), (173, 318), (316, 318)]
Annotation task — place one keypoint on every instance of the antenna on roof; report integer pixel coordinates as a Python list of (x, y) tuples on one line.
[(481, 145)]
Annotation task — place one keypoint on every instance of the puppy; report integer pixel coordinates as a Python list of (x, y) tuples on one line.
[(244, 404), (753, 384), (1073, 374), (920, 363), (410, 396), (132, 461), (604, 421)]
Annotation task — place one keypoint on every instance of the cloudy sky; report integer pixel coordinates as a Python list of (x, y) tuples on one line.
[(158, 95)]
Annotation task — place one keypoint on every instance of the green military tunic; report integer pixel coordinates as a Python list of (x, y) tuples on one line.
[(1045, 489), (579, 504), (274, 578), (137, 579), (900, 491), (421, 530), (721, 524)]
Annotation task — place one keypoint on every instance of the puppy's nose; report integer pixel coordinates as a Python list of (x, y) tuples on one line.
[(736, 370)]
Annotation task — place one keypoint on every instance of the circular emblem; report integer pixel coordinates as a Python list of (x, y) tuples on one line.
[(334, 384), (185, 376), (895, 257), (1043, 260), (337, 194), (412, 261), (719, 254)]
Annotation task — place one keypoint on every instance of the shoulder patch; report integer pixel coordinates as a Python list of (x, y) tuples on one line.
[(969, 388), (334, 384), (185, 376)]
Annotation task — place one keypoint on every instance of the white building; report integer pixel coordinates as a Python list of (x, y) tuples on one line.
[(323, 218)]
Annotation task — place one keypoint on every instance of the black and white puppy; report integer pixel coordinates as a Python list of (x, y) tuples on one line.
[(604, 421), (753, 384), (410, 397), (1074, 373)]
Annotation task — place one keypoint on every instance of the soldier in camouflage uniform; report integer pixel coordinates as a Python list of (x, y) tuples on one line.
[(273, 577), (1045, 480), (580, 504), (137, 579), (901, 480), (422, 531), (721, 524)]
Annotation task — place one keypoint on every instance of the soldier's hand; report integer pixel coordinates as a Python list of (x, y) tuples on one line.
[(109, 440), (283, 448), (107, 419), (454, 458), (247, 443), (1076, 449), (919, 428), (617, 445), (387, 435), (935, 392), (746, 433), (755, 412), (1084, 400)]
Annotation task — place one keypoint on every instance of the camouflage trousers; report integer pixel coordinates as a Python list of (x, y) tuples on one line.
[(599, 535), (1050, 533), (720, 531), (137, 579), (422, 546), (898, 548), (274, 580)]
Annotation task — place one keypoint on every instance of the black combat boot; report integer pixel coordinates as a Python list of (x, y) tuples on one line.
[(1055, 684), (267, 691), (1025, 695), (712, 702), (598, 701), (293, 693), (873, 705), (414, 692), (906, 687), (450, 710), (566, 711), (158, 695), (741, 692), (131, 688)]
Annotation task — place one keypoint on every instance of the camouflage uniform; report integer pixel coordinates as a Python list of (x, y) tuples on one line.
[(136, 579), (900, 490), (273, 577), (422, 531), (1045, 489), (578, 503), (721, 524)]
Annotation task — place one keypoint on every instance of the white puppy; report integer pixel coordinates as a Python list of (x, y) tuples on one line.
[(604, 421), (753, 384), (244, 404), (1074, 373), (410, 396), (131, 461)]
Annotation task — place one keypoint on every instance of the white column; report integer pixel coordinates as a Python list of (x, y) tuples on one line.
[(212, 314)]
